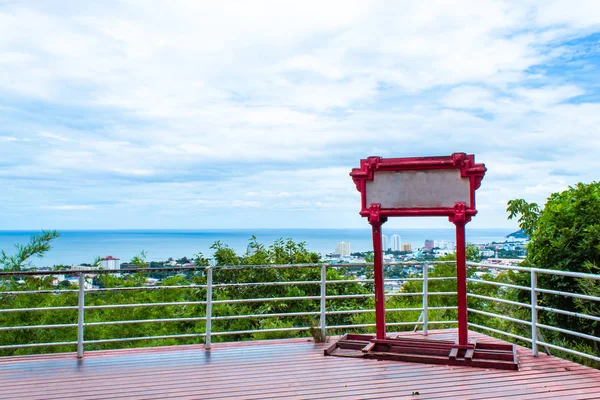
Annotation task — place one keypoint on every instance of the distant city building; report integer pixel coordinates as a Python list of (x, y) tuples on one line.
[(396, 243), (109, 262), (385, 243), (443, 244), (343, 249), (429, 245), (486, 253), (407, 247)]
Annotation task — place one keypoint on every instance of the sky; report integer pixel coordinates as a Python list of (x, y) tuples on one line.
[(250, 114)]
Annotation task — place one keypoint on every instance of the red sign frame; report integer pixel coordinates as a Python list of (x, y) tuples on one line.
[(460, 214), (465, 163)]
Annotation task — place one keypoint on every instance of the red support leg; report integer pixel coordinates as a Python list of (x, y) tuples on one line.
[(461, 282), (378, 278)]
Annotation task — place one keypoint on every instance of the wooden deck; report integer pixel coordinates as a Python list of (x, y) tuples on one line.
[(282, 369)]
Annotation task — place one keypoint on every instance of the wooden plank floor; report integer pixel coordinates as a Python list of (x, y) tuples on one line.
[(282, 369)]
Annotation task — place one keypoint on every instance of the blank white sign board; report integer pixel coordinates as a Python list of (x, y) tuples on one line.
[(418, 189)]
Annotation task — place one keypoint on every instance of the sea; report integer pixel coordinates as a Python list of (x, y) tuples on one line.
[(75, 247)]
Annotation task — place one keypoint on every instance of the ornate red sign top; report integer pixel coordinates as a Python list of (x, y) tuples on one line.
[(419, 186)]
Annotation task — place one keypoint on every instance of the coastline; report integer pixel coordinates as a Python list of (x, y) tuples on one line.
[(81, 246)]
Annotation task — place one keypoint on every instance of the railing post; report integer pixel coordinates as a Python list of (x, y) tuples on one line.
[(80, 319), (534, 314), (209, 283), (425, 299), (323, 318)]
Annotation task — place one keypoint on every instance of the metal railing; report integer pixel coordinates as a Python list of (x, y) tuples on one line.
[(534, 326), (209, 301)]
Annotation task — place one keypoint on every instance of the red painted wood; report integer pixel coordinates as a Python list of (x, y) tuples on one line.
[(461, 161), (378, 279), (461, 283)]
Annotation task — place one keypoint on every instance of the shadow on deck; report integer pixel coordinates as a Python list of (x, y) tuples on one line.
[(285, 369)]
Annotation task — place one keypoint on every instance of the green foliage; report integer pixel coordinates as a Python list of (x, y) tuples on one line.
[(528, 214), (564, 235), (139, 260), (200, 260), (37, 247)]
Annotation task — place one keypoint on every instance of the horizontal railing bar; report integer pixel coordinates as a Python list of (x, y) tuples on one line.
[(225, 267), (391, 324), (489, 314), (512, 335), (25, 346), (299, 328), (45, 291), (99, 271), (574, 352), (9, 310), (25, 327), (96, 290), (514, 303), (439, 293), (441, 278), (442, 322), (217, 268), (247, 316), (498, 266), (267, 299), (244, 284), (282, 283), (229, 317), (330, 297), (144, 321), (571, 313), (116, 289), (569, 332), (561, 293), (539, 270), (388, 310), (403, 323), (133, 339), (499, 284), (330, 327), (114, 306), (348, 296)]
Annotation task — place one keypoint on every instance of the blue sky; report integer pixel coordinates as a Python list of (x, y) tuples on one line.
[(139, 114)]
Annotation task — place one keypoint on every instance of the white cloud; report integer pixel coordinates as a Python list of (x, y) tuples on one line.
[(271, 103)]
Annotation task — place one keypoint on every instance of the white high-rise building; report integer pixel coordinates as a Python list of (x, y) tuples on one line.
[(343, 249), (396, 243), (385, 243), (109, 262)]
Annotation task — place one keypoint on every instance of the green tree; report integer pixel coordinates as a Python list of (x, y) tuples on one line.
[(139, 260), (564, 235), (37, 247)]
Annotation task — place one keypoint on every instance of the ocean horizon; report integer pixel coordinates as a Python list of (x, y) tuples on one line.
[(75, 247)]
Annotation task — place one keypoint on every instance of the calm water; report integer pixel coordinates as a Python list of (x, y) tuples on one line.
[(76, 247)]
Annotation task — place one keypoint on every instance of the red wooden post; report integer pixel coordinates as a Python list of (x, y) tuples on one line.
[(378, 280), (460, 218), (461, 283)]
